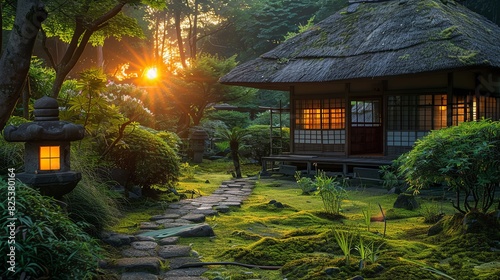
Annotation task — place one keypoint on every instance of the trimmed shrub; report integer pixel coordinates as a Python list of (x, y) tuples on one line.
[(465, 158), (150, 161)]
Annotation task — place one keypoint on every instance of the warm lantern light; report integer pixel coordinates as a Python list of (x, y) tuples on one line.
[(50, 158)]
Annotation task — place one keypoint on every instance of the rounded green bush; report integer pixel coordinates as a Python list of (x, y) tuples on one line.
[(149, 160)]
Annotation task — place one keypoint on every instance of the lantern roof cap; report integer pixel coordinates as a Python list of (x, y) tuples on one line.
[(46, 127)]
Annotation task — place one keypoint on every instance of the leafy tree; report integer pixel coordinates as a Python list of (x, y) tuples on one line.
[(465, 158), (79, 23), (195, 88), (235, 136), (229, 118), (15, 58)]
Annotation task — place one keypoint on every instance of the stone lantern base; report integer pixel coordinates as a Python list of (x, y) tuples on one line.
[(55, 184)]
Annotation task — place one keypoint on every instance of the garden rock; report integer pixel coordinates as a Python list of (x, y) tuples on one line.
[(149, 264), (143, 245), (173, 251), (407, 202), (134, 253), (172, 240), (222, 208), (138, 276), (195, 218), (117, 240), (332, 271), (202, 230), (435, 229)]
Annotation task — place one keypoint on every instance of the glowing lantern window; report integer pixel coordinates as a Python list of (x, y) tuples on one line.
[(50, 158)]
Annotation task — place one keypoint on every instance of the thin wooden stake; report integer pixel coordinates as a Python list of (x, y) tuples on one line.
[(383, 216)]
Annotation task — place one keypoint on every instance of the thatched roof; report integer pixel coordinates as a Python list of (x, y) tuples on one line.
[(377, 39)]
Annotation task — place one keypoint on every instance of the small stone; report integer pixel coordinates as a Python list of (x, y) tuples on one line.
[(145, 238), (138, 276), (407, 202), (222, 208), (150, 264), (144, 245), (332, 270), (134, 253), (195, 218), (202, 230), (279, 205), (272, 201), (172, 240), (117, 240), (148, 225), (174, 251)]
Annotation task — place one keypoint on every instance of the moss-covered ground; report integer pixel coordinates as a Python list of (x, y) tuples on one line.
[(300, 238)]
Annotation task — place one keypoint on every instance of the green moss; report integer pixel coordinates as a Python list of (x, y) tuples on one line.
[(399, 213), (446, 33), (315, 268), (404, 57), (274, 251)]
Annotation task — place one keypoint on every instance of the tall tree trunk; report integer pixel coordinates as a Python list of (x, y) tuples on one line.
[(16, 58), (194, 34), (235, 146), (178, 31)]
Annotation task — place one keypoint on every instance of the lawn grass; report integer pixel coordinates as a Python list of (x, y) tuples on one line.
[(299, 236)]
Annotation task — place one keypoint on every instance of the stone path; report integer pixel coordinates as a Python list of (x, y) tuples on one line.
[(148, 258)]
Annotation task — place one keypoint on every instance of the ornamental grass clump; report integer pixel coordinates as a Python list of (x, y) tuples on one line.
[(332, 192), (306, 184), (45, 242)]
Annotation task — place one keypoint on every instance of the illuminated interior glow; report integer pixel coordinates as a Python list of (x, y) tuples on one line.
[(50, 158)]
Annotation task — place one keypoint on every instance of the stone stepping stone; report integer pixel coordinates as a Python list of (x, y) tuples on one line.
[(174, 251), (148, 225), (165, 216), (185, 274), (231, 186), (149, 264), (179, 211), (231, 203), (171, 276), (182, 221), (138, 276), (117, 240), (206, 212), (195, 218), (178, 262), (201, 230), (172, 240), (144, 245), (134, 253), (222, 208), (164, 221), (145, 238)]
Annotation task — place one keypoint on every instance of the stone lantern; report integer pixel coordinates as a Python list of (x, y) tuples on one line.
[(197, 144), (47, 149)]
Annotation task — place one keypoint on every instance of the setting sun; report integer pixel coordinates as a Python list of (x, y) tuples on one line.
[(152, 73)]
